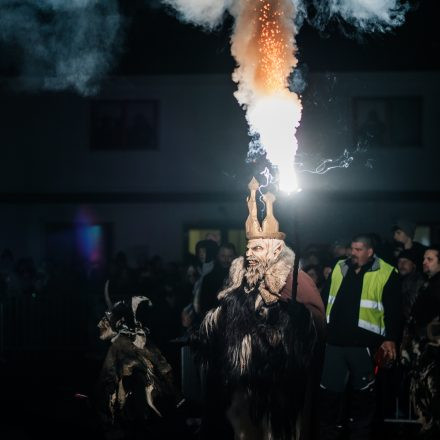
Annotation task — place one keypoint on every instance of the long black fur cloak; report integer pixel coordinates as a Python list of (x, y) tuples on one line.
[(257, 351)]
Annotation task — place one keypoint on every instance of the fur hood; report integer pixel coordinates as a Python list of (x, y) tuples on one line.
[(274, 279)]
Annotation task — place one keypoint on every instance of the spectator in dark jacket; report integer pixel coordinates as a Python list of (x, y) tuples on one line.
[(213, 281), (403, 233)]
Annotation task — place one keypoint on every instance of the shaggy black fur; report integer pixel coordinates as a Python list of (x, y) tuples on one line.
[(133, 368), (283, 337)]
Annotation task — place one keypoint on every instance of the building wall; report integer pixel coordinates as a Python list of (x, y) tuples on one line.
[(202, 137), (199, 173)]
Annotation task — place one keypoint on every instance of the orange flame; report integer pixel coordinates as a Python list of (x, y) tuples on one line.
[(263, 44)]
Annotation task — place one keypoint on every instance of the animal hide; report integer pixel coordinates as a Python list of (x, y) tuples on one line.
[(136, 381), (260, 348)]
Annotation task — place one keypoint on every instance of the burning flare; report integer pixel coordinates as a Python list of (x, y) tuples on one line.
[(263, 45)]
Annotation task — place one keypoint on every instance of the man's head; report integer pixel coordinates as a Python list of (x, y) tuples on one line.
[(431, 262), (403, 231), (362, 250), (406, 262), (206, 250), (261, 253), (226, 255)]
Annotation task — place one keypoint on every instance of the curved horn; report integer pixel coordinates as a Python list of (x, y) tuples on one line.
[(108, 301)]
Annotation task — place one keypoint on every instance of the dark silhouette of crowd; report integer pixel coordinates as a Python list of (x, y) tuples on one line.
[(183, 292)]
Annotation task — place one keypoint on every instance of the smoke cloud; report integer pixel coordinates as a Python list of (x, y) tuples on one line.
[(364, 15), (72, 44), (263, 45), (62, 44), (206, 13)]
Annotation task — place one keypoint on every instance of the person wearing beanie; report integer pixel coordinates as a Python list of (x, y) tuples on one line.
[(403, 234)]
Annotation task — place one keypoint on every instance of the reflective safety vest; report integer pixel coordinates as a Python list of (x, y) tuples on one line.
[(371, 312)]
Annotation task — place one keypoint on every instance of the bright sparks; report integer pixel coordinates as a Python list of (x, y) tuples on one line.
[(264, 47), (263, 44), (272, 48)]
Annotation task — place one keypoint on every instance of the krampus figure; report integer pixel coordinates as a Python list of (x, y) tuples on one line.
[(258, 347), (135, 388)]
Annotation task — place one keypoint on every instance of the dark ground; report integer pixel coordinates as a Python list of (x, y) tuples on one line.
[(41, 397), (49, 395)]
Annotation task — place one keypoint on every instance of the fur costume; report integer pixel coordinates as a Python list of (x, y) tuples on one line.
[(421, 355), (258, 343), (135, 384)]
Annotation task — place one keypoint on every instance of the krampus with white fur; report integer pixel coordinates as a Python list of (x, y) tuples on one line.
[(258, 344), (135, 386)]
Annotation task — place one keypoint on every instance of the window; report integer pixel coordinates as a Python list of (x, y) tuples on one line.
[(423, 234), (124, 125), (428, 233), (221, 234)]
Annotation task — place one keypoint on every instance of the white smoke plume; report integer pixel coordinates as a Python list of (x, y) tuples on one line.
[(263, 45), (62, 44), (206, 13), (364, 15)]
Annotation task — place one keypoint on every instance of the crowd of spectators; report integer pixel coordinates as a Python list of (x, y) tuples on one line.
[(176, 287), (183, 292)]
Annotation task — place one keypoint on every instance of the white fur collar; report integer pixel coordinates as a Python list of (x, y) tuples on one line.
[(274, 279)]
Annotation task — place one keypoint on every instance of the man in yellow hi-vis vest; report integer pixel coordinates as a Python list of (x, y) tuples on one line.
[(363, 316)]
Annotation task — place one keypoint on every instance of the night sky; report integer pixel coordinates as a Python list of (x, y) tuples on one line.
[(156, 42), (49, 168), (153, 41)]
